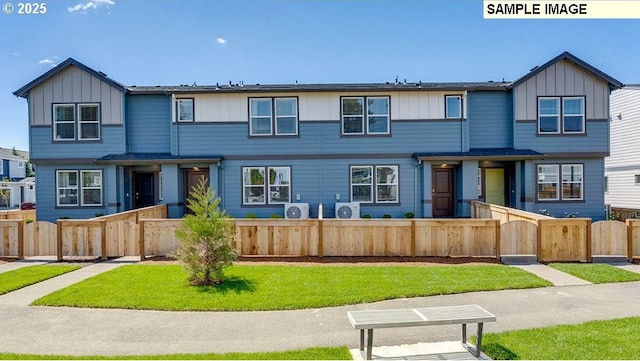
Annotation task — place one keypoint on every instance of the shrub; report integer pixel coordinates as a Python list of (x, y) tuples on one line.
[(275, 216), (366, 216), (386, 216), (544, 212), (571, 215), (28, 220), (99, 214), (251, 215), (205, 238), (409, 215)]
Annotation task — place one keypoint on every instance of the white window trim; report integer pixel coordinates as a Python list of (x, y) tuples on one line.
[(562, 182), (82, 187), (273, 118), (81, 122), (395, 183), (559, 115), (193, 110), (56, 122), (365, 115), (446, 106), (584, 116), (558, 183), (58, 188), (269, 185), (244, 187), (374, 183), (371, 184)]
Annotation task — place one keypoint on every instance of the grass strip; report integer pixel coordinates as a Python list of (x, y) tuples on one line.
[(315, 353), (597, 272), (595, 340), (22, 277), (253, 288)]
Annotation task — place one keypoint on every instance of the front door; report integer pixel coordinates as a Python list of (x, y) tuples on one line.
[(494, 186), (443, 192), (144, 190), (192, 178)]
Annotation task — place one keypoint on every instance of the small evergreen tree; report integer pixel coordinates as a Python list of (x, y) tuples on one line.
[(205, 239)]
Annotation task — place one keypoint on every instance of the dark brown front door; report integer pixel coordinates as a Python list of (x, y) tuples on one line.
[(192, 178), (443, 192), (144, 190)]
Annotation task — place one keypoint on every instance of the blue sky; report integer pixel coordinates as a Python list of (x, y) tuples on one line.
[(169, 42)]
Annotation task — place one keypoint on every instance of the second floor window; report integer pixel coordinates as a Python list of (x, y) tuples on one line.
[(273, 116), (557, 115), (365, 115), (76, 122), (185, 110), (453, 107)]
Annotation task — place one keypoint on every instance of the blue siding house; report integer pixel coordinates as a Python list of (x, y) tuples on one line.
[(389, 148)]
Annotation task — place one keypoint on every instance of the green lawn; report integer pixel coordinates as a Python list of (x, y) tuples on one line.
[(597, 272), (598, 340), (317, 353), (23, 277), (250, 288)]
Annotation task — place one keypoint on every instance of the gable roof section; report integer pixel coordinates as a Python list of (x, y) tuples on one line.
[(6, 153), (613, 83), (24, 91)]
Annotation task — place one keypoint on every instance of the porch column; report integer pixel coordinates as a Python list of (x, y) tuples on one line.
[(171, 190), (469, 177), (425, 193)]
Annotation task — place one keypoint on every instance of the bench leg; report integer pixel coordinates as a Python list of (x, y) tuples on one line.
[(369, 343), (464, 333), (479, 340)]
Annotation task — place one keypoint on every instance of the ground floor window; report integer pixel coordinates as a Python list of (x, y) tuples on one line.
[(560, 182), (79, 188), (374, 184), (266, 185)]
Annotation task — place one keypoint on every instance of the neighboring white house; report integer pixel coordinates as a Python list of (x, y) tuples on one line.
[(622, 167), (13, 172)]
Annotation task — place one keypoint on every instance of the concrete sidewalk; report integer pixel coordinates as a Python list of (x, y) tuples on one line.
[(73, 331)]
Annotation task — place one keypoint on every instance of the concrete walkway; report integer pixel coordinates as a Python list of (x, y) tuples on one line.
[(74, 331)]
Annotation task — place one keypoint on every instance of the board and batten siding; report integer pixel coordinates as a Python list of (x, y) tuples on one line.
[(314, 106), (74, 85), (623, 164), (595, 140), (148, 123), (562, 79), (490, 119)]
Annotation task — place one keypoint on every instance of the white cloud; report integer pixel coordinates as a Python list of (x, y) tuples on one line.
[(50, 62), (93, 4), (221, 41)]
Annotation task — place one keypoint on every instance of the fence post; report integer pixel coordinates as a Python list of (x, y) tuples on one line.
[(320, 238), (413, 237), (497, 227), (141, 238), (629, 240), (539, 240), (588, 240), (21, 240), (59, 239), (103, 238)]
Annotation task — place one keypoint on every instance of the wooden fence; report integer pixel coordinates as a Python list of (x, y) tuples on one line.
[(147, 232), (18, 214)]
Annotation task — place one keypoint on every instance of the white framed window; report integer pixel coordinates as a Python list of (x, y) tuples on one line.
[(20, 165), (453, 107), (76, 121), (79, 188), (89, 121), (560, 182), (266, 185), (64, 122), (558, 115), (365, 115), (374, 184), (572, 182), (66, 188), (273, 116), (185, 109), (91, 187), (636, 179)]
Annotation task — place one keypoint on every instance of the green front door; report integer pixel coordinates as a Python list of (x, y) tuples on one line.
[(494, 186)]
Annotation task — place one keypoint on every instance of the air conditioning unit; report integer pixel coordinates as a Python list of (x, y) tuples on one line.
[(348, 210), (296, 210)]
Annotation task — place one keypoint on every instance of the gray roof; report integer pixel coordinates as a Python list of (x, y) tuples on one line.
[(24, 91), (613, 83), (482, 154), (252, 88), (149, 158), (6, 153)]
